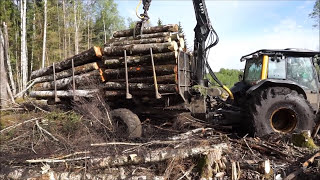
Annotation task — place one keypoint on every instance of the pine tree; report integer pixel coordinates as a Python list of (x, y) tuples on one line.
[(159, 22), (180, 29), (315, 14)]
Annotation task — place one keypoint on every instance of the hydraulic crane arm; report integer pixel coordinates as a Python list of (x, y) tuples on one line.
[(202, 31)]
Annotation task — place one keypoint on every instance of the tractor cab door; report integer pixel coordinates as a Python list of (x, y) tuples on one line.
[(302, 71)]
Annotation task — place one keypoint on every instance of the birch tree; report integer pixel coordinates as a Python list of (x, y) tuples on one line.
[(3, 76), (76, 28), (44, 35), (7, 58), (24, 57)]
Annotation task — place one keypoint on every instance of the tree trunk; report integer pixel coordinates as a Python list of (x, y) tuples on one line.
[(4, 97), (63, 94), (44, 35), (88, 32), (7, 58), (59, 32), (69, 45), (139, 41), (76, 40), (32, 61), (136, 71), (157, 155), (148, 30), (67, 73), (64, 30), (122, 93), (82, 80), (18, 76), (141, 49), (24, 58), (91, 55), (169, 57), (140, 86), (104, 29)]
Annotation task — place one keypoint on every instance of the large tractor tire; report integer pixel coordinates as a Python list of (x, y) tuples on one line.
[(278, 109), (131, 121)]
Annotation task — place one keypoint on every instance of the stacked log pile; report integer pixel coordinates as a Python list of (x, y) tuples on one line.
[(79, 71), (125, 63), (125, 50)]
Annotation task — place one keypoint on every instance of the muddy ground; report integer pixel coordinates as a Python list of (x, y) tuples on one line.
[(57, 142)]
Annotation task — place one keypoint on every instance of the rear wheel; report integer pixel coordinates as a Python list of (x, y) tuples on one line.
[(278, 109), (132, 122)]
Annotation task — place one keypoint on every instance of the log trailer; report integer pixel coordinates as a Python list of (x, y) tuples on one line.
[(147, 70)]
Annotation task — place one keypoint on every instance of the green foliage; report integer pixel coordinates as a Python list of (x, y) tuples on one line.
[(60, 33), (67, 123), (303, 140), (228, 77), (201, 89), (159, 22), (131, 23), (180, 29), (315, 14), (110, 16)]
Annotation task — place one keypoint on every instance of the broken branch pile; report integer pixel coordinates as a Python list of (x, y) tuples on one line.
[(126, 63), (201, 153)]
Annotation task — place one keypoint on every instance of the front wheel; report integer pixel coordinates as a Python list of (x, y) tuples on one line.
[(278, 109)]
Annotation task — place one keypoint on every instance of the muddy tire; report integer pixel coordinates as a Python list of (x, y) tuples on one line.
[(131, 120), (278, 109)]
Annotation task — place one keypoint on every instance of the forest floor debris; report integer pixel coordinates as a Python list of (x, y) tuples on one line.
[(46, 142)]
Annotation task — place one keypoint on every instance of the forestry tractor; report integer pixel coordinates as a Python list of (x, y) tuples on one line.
[(143, 72), (279, 91)]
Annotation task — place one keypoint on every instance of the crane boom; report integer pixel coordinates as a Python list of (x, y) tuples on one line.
[(202, 31)]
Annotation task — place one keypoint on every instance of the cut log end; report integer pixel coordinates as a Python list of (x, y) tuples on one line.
[(98, 51), (174, 28)]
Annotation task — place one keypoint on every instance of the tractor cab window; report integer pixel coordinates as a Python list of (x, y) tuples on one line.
[(276, 68), (252, 72), (300, 70)]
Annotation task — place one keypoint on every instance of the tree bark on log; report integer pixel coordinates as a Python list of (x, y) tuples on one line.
[(156, 156), (148, 30), (168, 88), (169, 57), (113, 94), (143, 36), (112, 173), (139, 41), (67, 73), (91, 55), (166, 79), (63, 94), (134, 49), (136, 71), (83, 79)]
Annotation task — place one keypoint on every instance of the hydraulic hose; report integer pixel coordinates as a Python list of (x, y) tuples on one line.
[(140, 17), (213, 75)]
